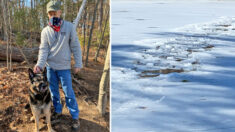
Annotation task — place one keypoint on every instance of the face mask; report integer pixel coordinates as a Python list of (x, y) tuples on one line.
[(55, 21)]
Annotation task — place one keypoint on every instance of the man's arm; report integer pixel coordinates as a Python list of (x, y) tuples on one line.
[(76, 48), (43, 51)]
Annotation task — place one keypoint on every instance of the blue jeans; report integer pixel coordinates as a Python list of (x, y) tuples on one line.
[(64, 76)]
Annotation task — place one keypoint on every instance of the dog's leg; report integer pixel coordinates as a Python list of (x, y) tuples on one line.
[(36, 119), (48, 118)]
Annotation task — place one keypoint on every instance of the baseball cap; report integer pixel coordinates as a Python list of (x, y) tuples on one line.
[(53, 5)]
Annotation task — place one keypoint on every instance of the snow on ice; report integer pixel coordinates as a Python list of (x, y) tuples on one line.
[(173, 71)]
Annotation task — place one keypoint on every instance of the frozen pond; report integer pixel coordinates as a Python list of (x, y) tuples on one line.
[(173, 66)]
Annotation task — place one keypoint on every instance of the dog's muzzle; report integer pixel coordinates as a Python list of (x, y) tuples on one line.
[(43, 87)]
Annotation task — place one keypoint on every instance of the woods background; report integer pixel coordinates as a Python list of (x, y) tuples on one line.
[(23, 20), (21, 23)]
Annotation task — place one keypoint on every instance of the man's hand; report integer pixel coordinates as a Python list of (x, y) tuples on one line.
[(36, 69), (76, 70)]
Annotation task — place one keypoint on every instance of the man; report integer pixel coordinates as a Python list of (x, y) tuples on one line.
[(58, 41)]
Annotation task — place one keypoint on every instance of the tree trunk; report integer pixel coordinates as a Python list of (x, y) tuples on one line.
[(76, 21), (4, 12), (1, 24), (10, 37), (101, 13), (19, 4), (101, 39), (31, 4), (23, 2), (30, 53), (79, 13), (106, 46), (103, 90), (84, 33), (65, 9), (91, 31), (44, 13), (35, 3)]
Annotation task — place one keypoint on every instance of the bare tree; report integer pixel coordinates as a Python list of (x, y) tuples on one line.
[(4, 13), (10, 36), (31, 4), (101, 13), (79, 13), (91, 31), (101, 39), (65, 9), (103, 90), (84, 32)]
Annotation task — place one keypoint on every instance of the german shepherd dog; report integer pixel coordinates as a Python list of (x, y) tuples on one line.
[(40, 98)]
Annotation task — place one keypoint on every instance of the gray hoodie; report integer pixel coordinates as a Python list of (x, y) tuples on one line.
[(56, 47)]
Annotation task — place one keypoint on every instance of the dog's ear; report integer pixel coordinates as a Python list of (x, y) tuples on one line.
[(45, 74), (31, 74)]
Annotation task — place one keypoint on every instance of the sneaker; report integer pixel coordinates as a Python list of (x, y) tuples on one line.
[(75, 125)]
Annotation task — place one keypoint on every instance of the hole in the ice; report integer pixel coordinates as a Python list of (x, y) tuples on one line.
[(190, 50), (155, 73), (223, 25), (178, 59), (185, 81), (142, 107), (163, 71), (208, 47)]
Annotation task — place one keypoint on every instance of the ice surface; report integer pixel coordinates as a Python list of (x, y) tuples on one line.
[(152, 43)]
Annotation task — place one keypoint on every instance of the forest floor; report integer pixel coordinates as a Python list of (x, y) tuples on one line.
[(14, 117)]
